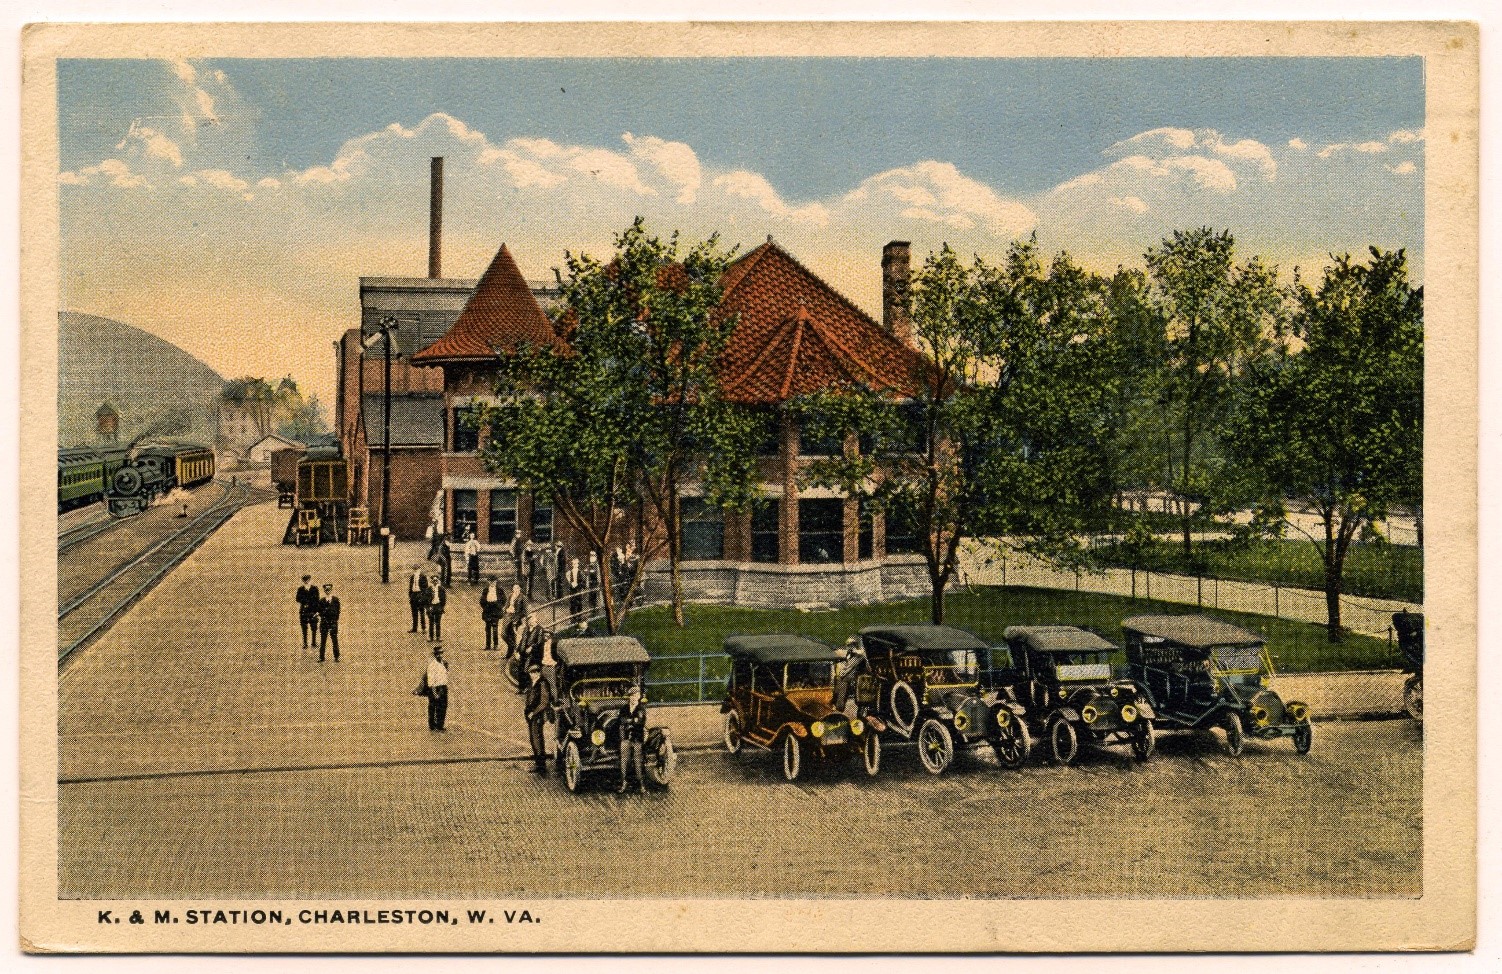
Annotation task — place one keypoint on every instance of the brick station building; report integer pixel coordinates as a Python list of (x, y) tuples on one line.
[(795, 335)]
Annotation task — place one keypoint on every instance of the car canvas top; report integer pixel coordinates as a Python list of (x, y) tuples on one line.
[(922, 637), (779, 648), (1198, 632), (601, 650), (1057, 639)]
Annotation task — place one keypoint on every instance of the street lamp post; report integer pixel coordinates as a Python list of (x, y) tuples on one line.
[(389, 325)]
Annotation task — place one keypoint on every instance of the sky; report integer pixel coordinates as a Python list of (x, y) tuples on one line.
[(231, 206)]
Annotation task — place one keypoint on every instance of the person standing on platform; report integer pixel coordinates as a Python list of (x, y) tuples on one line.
[(438, 600), (538, 708), (446, 564), (435, 686), (491, 607), (472, 559), (549, 557), (633, 725), (573, 583), (417, 597), (592, 581), (518, 552), (328, 618), (529, 567), (307, 610)]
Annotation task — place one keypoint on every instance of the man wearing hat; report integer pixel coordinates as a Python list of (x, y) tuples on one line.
[(633, 725), (492, 604), (538, 709), (852, 664), (307, 610), (435, 686), (328, 616), (417, 598)]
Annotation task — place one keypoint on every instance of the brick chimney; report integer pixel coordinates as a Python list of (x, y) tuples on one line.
[(896, 269), (435, 219)]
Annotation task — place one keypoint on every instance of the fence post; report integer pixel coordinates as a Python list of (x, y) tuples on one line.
[(1277, 610), (1149, 575), (1217, 591), (1076, 579), (1134, 582), (701, 677), (1199, 590)]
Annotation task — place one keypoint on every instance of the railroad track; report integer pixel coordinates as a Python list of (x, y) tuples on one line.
[(87, 614), (80, 533)]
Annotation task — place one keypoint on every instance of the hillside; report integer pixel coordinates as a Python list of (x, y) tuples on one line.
[(149, 381)]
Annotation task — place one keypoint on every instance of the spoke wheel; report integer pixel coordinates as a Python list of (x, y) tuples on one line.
[(935, 746), (1063, 740), (661, 764), (1013, 745), (1235, 735), (573, 766), (513, 672), (1144, 741), (792, 757), (871, 752), (903, 706), (1303, 737), (733, 739), (1413, 697)]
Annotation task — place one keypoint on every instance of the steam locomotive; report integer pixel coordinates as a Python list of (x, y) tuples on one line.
[(154, 470)]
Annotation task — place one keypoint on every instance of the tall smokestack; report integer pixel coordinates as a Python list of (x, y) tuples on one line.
[(896, 269), (435, 220)]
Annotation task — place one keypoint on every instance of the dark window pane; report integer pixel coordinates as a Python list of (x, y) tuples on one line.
[(765, 515), (902, 537), (542, 521), (864, 514), (703, 530), (821, 531), (465, 519), (465, 438), (502, 516)]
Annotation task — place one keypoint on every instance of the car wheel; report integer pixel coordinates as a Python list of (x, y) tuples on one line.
[(1235, 735), (660, 765), (935, 746), (792, 757), (1413, 697), (871, 752), (1063, 740), (1013, 745), (513, 672), (573, 766), (903, 706), (1144, 741), (1303, 737), (733, 739)]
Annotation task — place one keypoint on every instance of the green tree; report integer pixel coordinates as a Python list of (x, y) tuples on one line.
[(1009, 426), (1338, 423), (1217, 317)]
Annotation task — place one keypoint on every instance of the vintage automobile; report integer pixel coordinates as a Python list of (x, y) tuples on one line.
[(1062, 677), (1410, 629), (592, 678), (925, 684), (780, 697), (1203, 673)]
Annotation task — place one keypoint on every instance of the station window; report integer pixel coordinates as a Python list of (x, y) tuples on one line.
[(821, 531), (902, 536), (703, 530), (465, 520), (542, 520), (764, 530), (865, 518), (502, 516), (463, 437)]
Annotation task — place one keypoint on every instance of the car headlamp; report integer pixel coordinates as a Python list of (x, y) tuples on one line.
[(857, 726), (1298, 711), (597, 738), (961, 720), (1089, 713), (1116, 691), (1259, 714), (816, 728), (1128, 713)]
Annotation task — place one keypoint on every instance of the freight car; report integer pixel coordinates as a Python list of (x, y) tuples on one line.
[(284, 474), (83, 473), (322, 488), (154, 470)]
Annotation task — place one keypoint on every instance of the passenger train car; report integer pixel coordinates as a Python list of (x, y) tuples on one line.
[(84, 472), (155, 470)]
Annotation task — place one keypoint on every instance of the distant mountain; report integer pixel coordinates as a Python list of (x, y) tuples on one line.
[(149, 382)]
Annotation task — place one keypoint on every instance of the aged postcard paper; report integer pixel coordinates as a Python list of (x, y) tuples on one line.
[(715, 487)]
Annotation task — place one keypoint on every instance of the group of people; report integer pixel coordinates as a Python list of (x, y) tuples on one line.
[(428, 599), (318, 617)]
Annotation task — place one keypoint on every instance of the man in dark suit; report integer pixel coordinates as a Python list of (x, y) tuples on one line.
[(417, 597), (633, 725), (492, 604), (328, 617), (538, 709), (307, 610), (438, 598), (518, 551)]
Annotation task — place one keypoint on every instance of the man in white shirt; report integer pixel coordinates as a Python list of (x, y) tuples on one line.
[(472, 559), (437, 680)]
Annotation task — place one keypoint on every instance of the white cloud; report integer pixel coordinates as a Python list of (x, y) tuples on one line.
[(743, 185), (675, 162), (1298, 144), (1176, 138), (155, 145), (937, 192), (115, 172), (1130, 203), (1403, 168), (1403, 136), (1370, 148), (1331, 149)]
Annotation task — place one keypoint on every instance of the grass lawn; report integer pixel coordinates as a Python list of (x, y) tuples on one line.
[(1379, 571), (1297, 647)]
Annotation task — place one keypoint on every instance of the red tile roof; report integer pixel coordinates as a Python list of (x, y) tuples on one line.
[(797, 335), (499, 316)]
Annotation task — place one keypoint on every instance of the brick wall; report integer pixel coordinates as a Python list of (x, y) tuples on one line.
[(415, 478)]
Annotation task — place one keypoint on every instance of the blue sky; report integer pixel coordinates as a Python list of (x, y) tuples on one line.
[(266, 188)]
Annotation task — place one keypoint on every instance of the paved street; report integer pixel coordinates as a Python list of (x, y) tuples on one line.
[(226, 761)]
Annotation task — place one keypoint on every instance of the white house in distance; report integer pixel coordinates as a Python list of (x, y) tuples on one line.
[(260, 451)]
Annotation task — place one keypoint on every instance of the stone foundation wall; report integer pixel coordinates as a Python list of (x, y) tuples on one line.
[(767, 586)]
